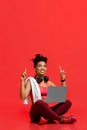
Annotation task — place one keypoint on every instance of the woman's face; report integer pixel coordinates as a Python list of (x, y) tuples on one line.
[(41, 68)]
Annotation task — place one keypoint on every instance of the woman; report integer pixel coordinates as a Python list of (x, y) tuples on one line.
[(40, 111)]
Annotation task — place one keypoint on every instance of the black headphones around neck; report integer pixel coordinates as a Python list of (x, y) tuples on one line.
[(40, 79)]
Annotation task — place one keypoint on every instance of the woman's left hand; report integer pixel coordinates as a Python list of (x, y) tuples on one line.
[(62, 73)]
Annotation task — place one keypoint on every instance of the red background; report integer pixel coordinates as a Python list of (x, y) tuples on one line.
[(57, 29)]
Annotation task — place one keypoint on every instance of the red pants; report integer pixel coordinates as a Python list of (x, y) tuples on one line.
[(41, 108)]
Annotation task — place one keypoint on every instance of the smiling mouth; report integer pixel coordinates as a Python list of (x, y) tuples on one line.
[(42, 71)]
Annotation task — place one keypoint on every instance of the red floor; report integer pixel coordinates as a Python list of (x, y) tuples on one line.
[(14, 116)]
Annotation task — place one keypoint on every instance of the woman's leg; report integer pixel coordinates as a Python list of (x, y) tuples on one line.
[(41, 108), (62, 108)]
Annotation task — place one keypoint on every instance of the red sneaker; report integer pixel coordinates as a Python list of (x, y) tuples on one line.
[(67, 120)]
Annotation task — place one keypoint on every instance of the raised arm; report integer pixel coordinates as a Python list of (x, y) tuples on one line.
[(63, 76), (25, 88)]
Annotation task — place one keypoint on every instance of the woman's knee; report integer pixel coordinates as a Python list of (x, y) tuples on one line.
[(40, 102), (68, 102)]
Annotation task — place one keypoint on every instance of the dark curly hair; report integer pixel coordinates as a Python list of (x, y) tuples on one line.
[(39, 57)]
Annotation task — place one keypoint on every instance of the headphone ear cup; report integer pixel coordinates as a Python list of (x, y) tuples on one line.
[(46, 78), (38, 79)]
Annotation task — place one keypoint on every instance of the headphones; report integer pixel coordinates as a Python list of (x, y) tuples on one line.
[(40, 79)]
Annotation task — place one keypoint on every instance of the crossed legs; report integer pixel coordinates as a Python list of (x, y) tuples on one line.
[(41, 108)]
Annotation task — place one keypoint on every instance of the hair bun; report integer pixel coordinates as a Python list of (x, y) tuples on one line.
[(39, 57)]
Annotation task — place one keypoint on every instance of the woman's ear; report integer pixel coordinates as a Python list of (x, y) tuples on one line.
[(35, 69)]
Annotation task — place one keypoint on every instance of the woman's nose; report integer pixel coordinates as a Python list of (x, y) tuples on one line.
[(42, 68)]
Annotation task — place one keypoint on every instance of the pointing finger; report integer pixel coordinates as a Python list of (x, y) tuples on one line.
[(25, 70), (60, 68)]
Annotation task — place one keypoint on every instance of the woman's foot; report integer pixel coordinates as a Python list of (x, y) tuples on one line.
[(67, 120), (52, 122), (42, 121)]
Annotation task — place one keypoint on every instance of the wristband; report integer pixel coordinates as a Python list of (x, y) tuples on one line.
[(62, 80)]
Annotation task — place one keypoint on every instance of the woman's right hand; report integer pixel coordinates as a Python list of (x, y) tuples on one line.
[(23, 75), (25, 86)]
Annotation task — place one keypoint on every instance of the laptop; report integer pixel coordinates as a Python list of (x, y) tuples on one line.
[(56, 94)]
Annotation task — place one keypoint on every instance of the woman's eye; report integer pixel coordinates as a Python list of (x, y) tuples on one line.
[(39, 65)]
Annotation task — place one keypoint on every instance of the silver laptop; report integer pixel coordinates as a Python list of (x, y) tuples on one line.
[(56, 94)]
